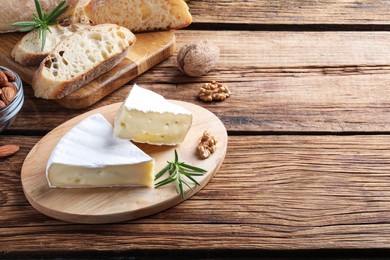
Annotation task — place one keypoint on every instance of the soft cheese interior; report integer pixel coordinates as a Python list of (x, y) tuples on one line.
[(89, 155), (61, 175), (147, 117)]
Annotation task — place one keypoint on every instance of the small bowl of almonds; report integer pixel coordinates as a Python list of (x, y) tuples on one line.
[(11, 97)]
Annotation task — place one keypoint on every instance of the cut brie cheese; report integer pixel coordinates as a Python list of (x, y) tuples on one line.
[(89, 155), (147, 117)]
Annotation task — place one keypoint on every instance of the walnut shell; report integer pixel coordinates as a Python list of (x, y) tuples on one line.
[(213, 91), (198, 58), (206, 145)]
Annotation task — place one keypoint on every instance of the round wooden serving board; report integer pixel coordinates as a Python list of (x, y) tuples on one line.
[(107, 205)]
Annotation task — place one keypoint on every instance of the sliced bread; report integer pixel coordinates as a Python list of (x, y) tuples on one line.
[(140, 15), (28, 50), (80, 58)]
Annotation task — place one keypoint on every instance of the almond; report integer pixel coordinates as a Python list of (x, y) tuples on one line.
[(2, 104), (8, 150), (11, 77), (11, 85), (7, 95), (3, 79)]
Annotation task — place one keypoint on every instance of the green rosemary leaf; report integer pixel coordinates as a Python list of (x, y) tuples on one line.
[(176, 157), (161, 173), (181, 191), (41, 34), (44, 15), (57, 12), (37, 21), (27, 29), (194, 173), (39, 9), (192, 167), (24, 23), (192, 179), (177, 172), (164, 182), (56, 9), (187, 184), (43, 39), (172, 170)]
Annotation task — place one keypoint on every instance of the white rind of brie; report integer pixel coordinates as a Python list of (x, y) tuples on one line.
[(89, 155), (147, 117)]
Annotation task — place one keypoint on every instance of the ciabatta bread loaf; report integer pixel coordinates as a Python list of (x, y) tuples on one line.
[(140, 15), (136, 15), (80, 58), (28, 50)]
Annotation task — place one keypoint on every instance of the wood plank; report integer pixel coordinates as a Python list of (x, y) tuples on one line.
[(189, 237), (291, 12), (275, 192), (280, 81)]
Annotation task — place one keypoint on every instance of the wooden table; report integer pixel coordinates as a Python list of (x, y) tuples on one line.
[(308, 163)]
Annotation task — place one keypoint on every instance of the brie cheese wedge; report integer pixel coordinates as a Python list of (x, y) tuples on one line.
[(89, 155), (147, 117)]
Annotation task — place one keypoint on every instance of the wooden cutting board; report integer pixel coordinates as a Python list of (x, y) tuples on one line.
[(107, 205), (148, 50)]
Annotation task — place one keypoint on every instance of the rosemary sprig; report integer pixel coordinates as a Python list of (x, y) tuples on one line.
[(42, 20), (177, 173)]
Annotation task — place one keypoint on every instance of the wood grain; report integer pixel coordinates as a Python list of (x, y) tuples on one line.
[(295, 12), (288, 81), (272, 192), (148, 50)]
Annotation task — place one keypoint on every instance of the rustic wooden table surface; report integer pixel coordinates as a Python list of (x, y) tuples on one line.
[(308, 161)]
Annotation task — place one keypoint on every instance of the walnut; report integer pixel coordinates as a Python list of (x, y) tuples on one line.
[(213, 91), (198, 58), (206, 146)]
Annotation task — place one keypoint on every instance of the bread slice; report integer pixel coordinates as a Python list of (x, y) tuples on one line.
[(28, 50), (140, 15), (80, 58)]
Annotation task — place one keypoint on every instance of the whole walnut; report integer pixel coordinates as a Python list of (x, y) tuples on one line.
[(198, 58)]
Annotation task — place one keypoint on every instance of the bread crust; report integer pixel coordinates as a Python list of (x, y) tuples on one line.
[(48, 89), (40, 82), (26, 59)]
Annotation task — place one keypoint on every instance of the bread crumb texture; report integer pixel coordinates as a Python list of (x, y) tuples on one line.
[(84, 50)]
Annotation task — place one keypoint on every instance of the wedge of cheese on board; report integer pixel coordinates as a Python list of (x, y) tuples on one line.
[(147, 117), (89, 155)]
